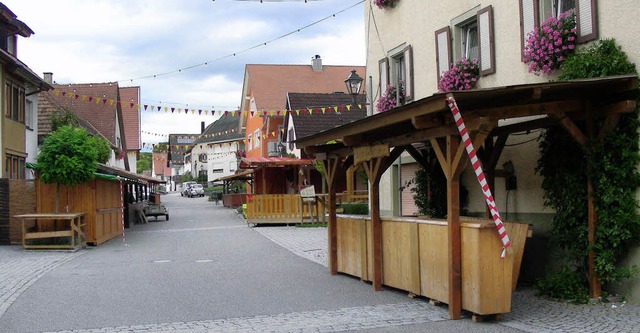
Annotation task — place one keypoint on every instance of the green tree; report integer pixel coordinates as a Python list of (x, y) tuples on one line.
[(102, 148), (63, 118), (67, 157), (144, 162), (161, 147)]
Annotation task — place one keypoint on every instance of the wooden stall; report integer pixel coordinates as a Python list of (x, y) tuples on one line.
[(454, 260), (414, 258), (99, 199), (103, 201)]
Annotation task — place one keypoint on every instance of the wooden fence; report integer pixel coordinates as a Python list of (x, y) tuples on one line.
[(280, 208), (415, 258)]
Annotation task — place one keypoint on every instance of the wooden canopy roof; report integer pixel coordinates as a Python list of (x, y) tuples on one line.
[(430, 117), (376, 141)]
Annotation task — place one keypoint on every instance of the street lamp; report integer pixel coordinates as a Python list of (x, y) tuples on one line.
[(353, 83)]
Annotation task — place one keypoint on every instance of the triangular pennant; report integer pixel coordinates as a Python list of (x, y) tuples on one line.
[(56, 92), (348, 107), (173, 109), (335, 109), (323, 110), (297, 112), (90, 98), (64, 93), (199, 111), (145, 107)]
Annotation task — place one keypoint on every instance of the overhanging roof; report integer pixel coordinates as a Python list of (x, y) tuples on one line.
[(256, 162), (244, 175), (430, 117)]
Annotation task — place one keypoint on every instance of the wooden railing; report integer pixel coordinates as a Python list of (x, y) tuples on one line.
[(280, 208)]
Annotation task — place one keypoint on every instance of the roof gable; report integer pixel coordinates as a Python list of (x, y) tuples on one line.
[(269, 84), (306, 124), (91, 102), (129, 101)]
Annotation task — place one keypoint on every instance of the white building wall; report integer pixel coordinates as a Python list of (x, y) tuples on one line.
[(31, 133), (414, 22), (401, 26)]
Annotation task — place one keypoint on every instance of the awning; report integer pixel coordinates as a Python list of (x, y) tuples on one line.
[(244, 175), (256, 162)]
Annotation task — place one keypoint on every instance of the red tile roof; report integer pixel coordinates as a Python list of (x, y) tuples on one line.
[(271, 83), (80, 99), (131, 116)]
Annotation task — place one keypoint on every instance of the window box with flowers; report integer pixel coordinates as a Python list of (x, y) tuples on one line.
[(388, 101), (463, 75), (549, 45), (385, 4)]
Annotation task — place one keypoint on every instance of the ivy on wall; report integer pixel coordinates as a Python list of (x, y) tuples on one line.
[(613, 162)]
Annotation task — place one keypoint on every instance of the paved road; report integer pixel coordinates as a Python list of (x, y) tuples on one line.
[(205, 270)]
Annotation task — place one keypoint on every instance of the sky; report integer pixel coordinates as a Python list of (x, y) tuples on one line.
[(184, 53)]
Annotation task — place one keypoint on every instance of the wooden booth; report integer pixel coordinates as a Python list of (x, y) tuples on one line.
[(103, 203), (455, 261)]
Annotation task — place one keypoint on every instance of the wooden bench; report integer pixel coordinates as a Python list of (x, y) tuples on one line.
[(74, 230)]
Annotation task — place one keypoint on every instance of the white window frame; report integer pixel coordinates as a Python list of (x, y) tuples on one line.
[(29, 115), (256, 139)]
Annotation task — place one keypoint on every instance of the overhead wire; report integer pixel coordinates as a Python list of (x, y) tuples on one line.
[(245, 50)]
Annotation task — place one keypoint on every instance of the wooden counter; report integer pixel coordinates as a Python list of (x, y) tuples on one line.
[(45, 225)]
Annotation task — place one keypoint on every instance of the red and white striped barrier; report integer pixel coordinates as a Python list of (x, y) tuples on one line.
[(477, 168), (121, 208)]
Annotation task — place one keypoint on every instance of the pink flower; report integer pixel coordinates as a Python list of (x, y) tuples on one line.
[(463, 75), (547, 46)]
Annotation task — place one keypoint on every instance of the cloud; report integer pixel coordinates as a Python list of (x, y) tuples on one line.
[(83, 41)]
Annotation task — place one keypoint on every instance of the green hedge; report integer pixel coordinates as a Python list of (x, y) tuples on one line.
[(355, 208)]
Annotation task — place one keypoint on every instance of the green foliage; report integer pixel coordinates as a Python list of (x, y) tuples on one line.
[(161, 147), (564, 284), (63, 118), (187, 177), (430, 192), (355, 208), (102, 147), (67, 157), (144, 162), (613, 172), (600, 59)]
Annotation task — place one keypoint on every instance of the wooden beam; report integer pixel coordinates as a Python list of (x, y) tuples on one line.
[(418, 156), (619, 107), (573, 130), (524, 126), (438, 145), (523, 110), (427, 121), (454, 244), (610, 123), (330, 167)]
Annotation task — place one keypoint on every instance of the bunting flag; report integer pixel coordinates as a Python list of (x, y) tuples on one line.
[(477, 168), (233, 113)]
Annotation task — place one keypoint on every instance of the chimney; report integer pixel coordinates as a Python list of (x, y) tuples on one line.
[(316, 63), (202, 127), (48, 77)]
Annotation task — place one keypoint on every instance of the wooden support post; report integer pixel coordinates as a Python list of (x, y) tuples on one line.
[(374, 168), (453, 217), (330, 167)]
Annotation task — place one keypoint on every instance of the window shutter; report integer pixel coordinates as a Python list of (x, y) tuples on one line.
[(443, 50), (586, 20), (485, 41), (383, 66), (408, 85), (528, 20)]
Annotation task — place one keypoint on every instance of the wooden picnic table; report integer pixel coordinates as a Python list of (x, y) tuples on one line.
[(74, 230)]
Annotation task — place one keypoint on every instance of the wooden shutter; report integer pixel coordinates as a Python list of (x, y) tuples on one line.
[(383, 66), (408, 68), (529, 18), (443, 50), (486, 48), (586, 20)]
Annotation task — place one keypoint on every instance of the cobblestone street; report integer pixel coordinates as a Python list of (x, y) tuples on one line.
[(20, 270)]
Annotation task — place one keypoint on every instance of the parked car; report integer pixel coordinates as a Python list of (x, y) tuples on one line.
[(185, 188), (195, 190)]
